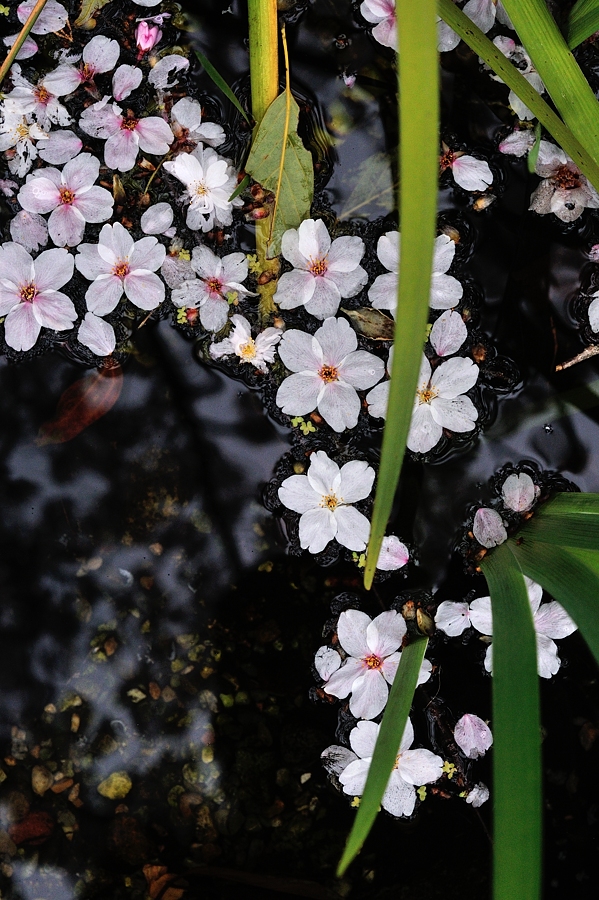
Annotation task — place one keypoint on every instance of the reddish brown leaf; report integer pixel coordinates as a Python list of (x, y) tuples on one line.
[(35, 828), (81, 404)]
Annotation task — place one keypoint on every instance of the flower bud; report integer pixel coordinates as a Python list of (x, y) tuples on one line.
[(147, 37)]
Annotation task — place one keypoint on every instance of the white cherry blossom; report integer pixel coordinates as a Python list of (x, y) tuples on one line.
[(484, 12), (37, 101), (394, 554), (70, 196), (382, 14), (473, 736), (324, 497), (518, 56), (100, 55), (258, 352), (18, 137), (440, 402), (488, 527), (470, 173), (187, 125), (478, 795), (29, 294), (324, 272), (209, 180), (448, 333), (217, 278), (519, 492), (97, 335), (327, 369), (564, 190), (125, 135), (117, 264)]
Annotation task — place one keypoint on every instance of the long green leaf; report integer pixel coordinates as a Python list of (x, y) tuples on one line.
[(419, 169), (568, 503), (576, 530), (582, 22), (487, 51), (221, 83), (517, 806), (387, 745), (571, 576)]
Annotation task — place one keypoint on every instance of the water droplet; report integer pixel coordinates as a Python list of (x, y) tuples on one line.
[(548, 429)]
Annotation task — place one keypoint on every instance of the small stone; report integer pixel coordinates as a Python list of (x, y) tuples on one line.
[(168, 694), (136, 695), (41, 780), (154, 690), (156, 549), (147, 582), (62, 785), (116, 786)]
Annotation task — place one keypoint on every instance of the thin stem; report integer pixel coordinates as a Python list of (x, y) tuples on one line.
[(284, 147), (589, 352), (23, 35)]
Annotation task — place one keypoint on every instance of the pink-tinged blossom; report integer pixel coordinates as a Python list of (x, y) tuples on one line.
[(52, 18), (146, 37), (187, 125), (473, 736), (381, 13), (100, 55), (217, 278), (440, 402), (97, 335), (327, 370), (323, 273), (258, 352), (37, 101), (70, 196), (448, 333), (478, 795), (518, 56), (324, 499), (488, 528), (164, 75), (446, 291), (125, 80), (29, 230), (125, 135), (29, 295), (470, 173), (117, 265), (519, 492), (394, 554), (411, 768), (518, 143), (484, 12), (209, 180), (564, 190), (24, 141)]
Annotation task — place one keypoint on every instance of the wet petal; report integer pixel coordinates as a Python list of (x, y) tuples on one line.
[(97, 335), (353, 528), (518, 492), (369, 695), (385, 633), (316, 528), (298, 394), (323, 473), (21, 328), (356, 480), (352, 628), (362, 739), (342, 680), (488, 528), (472, 174), (326, 662), (420, 766), (481, 616), (552, 620), (452, 618), (448, 333), (296, 493), (473, 736), (394, 554), (145, 289), (337, 339), (339, 405)]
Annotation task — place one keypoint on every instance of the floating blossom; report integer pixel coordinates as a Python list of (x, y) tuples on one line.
[(18, 137), (470, 173), (29, 230), (382, 14), (519, 143), (218, 278), (518, 56), (125, 135), (488, 528), (97, 335), (324, 496), (484, 12), (125, 80), (209, 180), (146, 37), (564, 190), (473, 736), (412, 767), (99, 55), (446, 291), (163, 76), (440, 402), (187, 125), (324, 272), (519, 492), (29, 295), (258, 352), (37, 101), (478, 795), (394, 554), (328, 368), (70, 196), (448, 333), (117, 265)]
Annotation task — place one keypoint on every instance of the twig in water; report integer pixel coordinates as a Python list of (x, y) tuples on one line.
[(593, 350)]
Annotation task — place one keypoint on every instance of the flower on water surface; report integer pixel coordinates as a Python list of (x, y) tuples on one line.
[(518, 56), (209, 180), (440, 402), (24, 141), (117, 264), (258, 352), (382, 14), (519, 492), (52, 18), (70, 196), (327, 368), (97, 335), (372, 648), (446, 291), (146, 36), (478, 795), (448, 333), (394, 554), (217, 278), (323, 498), (29, 295), (470, 173), (473, 736), (412, 767), (488, 528), (564, 190), (187, 125), (518, 143), (484, 12), (125, 80), (100, 55), (37, 100), (550, 621), (323, 273), (125, 135)]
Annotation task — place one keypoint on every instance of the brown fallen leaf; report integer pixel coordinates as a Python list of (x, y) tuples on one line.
[(370, 322), (83, 403)]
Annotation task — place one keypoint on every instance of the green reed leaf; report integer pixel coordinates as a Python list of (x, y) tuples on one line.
[(583, 21), (385, 752), (240, 188), (531, 159), (517, 807), (419, 168), (567, 503), (221, 83), (89, 8), (574, 530)]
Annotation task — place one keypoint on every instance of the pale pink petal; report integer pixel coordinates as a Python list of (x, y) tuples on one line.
[(53, 268), (356, 480), (53, 16), (66, 226), (313, 239), (478, 795), (448, 333), (60, 147), (456, 415), (341, 681), (446, 292), (30, 230), (155, 135), (378, 400), (351, 630), (164, 74), (345, 254), (294, 289), (369, 695), (424, 432), (144, 289), (488, 528), (80, 173), (383, 292), (54, 310), (354, 777), (323, 474), (39, 195), (473, 736), (97, 335), (548, 662), (386, 33), (518, 492), (101, 53), (388, 668), (325, 298), (147, 254), (337, 339), (363, 738), (316, 528), (482, 13), (21, 328), (96, 205), (214, 314), (296, 493), (157, 218), (472, 174), (394, 554), (326, 662), (481, 615), (385, 633), (518, 143), (298, 394), (347, 283), (353, 528), (338, 404), (28, 49), (420, 766), (103, 294), (89, 262), (553, 621), (120, 150), (399, 798), (300, 352), (452, 618), (63, 80), (125, 80), (454, 377)]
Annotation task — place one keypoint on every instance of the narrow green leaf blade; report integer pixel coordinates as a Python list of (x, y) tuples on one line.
[(221, 84), (240, 187), (575, 530), (517, 807), (582, 22), (531, 159), (387, 745), (419, 170), (568, 503)]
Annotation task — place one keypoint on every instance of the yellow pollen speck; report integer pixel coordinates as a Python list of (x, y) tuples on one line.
[(373, 662), (426, 395), (41, 94), (121, 269), (66, 196), (22, 131), (200, 189), (331, 501)]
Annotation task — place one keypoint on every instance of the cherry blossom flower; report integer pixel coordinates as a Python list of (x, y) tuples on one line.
[(324, 498), (564, 190), (258, 352), (99, 55), (209, 180), (473, 736), (518, 143), (163, 76), (488, 528), (187, 125), (519, 492), (478, 795), (327, 369), (372, 648), (117, 265), (440, 402), (217, 279), (70, 196), (18, 137), (29, 230), (412, 767), (446, 291), (125, 135), (394, 554), (448, 333), (484, 12), (382, 14), (324, 272), (29, 295), (146, 37), (97, 335), (520, 58), (125, 80), (470, 173), (157, 219), (37, 100)]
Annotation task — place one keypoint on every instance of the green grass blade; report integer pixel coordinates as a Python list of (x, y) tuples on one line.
[(240, 187), (561, 74), (517, 806), (571, 577), (419, 169), (487, 51), (582, 22), (387, 745), (575, 530), (23, 34), (221, 83)]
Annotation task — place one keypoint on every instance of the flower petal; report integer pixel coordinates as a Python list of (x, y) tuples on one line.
[(97, 335), (356, 480), (297, 494), (488, 528), (473, 736), (369, 695), (481, 615), (316, 528), (353, 528), (352, 629), (298, 394), (385, 633), (452, 618)]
